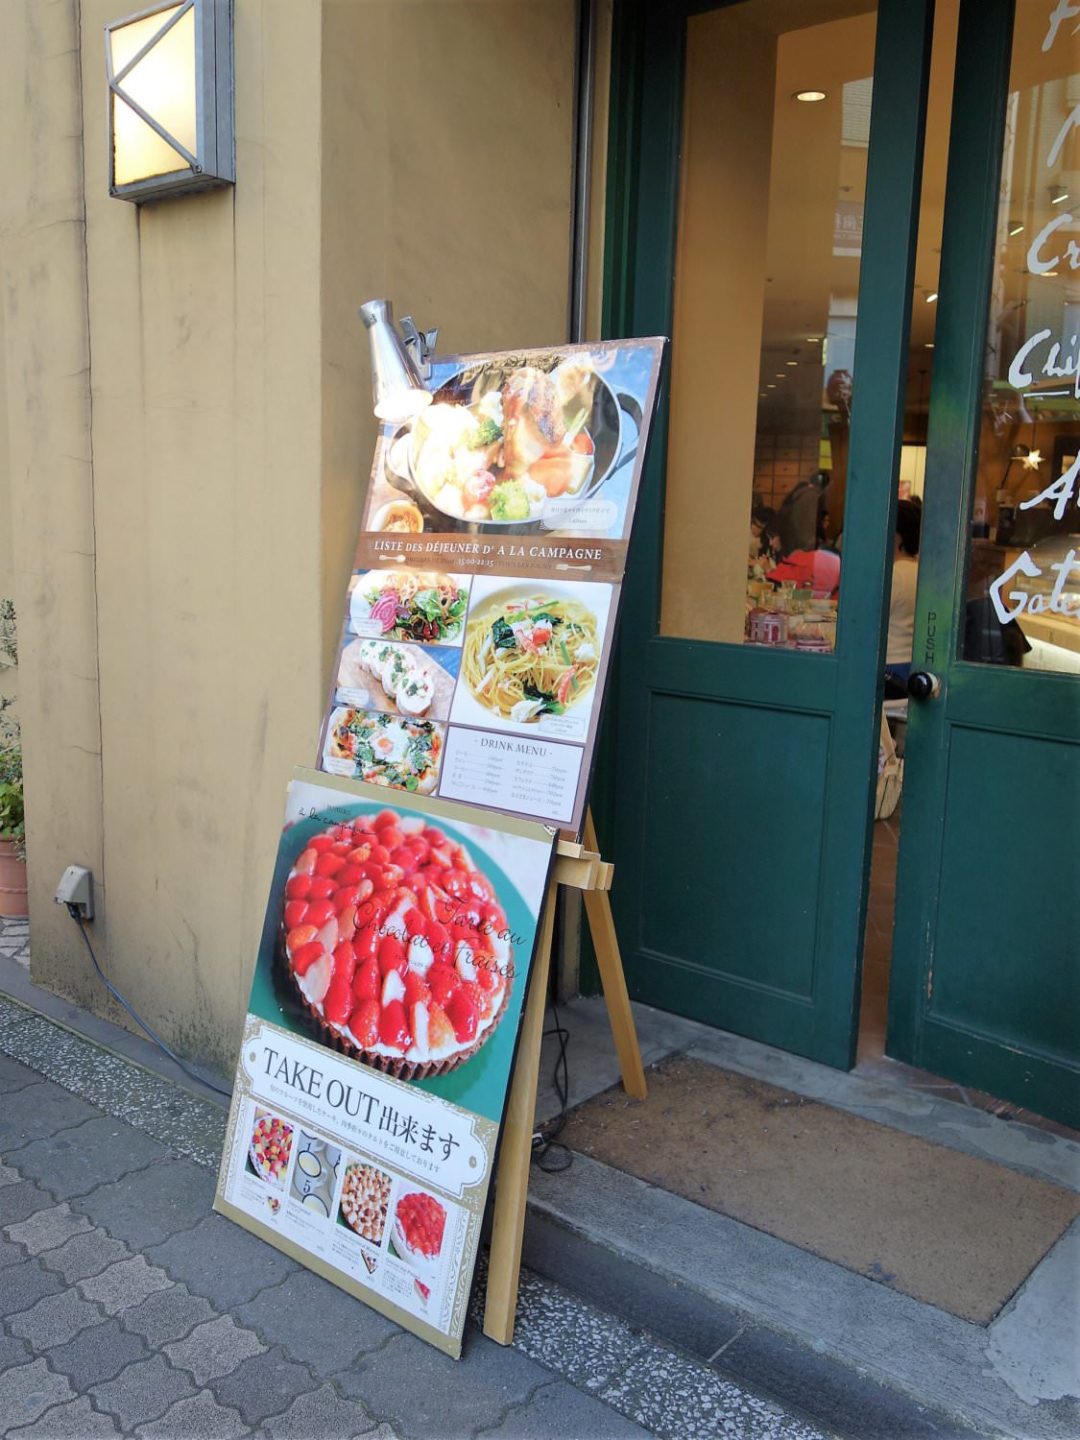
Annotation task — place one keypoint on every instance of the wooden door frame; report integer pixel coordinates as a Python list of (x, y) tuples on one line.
[(644, 133)]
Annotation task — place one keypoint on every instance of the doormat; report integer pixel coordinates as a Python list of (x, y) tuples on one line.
[(945, 1228)]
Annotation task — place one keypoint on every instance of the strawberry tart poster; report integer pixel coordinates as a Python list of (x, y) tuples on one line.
[(380, 1039)]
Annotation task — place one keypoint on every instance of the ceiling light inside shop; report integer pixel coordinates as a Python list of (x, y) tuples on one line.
[(1016, 229), (770, 386), (813, 339), (810, 97), (1058, 193), (791, 362), (931, 297)]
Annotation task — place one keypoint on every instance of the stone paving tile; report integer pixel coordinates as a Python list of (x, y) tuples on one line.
[(37, 1111), (679, 1400), (443, 1397), (147, 1101), (8, 1175), (73, 1162), (97, 1354), (125, 1284), (23, 1285), (10, 1253), (142, 1392), (264, 1385), (559, 1411), (15, 1076), (582, 1344), (84, 1255), (13, 1352), (19, 1201), (147, 1207), (219, 1260), (214, 1349), (322, 1413), (28, 1390), (168, 1315), (200, 1418), (315, 1322), (75, 1421), (54, 1320), (48, 1229)]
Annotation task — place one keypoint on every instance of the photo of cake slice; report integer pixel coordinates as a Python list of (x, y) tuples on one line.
[(396, 944)]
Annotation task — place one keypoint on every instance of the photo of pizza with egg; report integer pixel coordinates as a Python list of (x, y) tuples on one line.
[(396, 944), (383, 749)]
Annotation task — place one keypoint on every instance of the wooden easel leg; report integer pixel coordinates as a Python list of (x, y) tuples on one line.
[(616, 995), (512, 1180)]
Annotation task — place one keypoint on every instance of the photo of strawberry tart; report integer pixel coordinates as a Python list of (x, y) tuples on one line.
[(419, 1226), (396, 944)]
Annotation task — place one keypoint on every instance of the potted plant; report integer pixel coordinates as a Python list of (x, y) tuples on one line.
[(12, 819)]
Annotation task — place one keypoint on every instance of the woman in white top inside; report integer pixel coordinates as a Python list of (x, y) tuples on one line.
[(905, 577)]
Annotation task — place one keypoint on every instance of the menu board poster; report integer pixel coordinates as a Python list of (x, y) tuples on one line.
[(379, 1042), (526, 463)]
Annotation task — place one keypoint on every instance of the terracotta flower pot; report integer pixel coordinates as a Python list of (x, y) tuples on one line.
[(12, 881)]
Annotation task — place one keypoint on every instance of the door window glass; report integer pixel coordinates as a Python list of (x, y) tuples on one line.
[(1022, 601), (776, 125)]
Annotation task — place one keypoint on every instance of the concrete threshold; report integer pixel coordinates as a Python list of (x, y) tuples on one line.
[(860, 1358)]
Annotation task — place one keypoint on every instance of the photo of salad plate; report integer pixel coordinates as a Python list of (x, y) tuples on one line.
[(513, 448), (424, 607)]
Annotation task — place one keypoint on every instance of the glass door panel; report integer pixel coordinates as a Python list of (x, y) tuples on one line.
[(1023, 585), (775, 135)]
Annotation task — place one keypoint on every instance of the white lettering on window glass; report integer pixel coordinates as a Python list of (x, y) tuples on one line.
[(1061, 491), (1062, 11), (1025, 603)]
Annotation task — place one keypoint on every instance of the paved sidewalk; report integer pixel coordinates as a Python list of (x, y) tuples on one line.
[(129, 1309), (15, 938)]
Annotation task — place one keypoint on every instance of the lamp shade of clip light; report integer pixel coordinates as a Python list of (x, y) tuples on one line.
[(170, 78), (396, 386)]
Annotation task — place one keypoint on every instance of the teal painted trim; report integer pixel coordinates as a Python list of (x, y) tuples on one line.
[(984, 43), (643, 184), (1040, 1085), (894, 177)]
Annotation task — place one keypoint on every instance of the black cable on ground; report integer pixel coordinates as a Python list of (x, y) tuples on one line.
[(73, 911), (547, 1154)]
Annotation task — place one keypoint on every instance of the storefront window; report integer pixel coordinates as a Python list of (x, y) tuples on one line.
[(1023, 583), (775, 133)]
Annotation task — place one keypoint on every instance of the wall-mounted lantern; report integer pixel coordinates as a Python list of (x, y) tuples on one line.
[(170, 75)]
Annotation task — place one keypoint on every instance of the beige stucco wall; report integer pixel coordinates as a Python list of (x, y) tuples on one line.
[(46, 355), (447, 142), (8, 672), (183, 524)]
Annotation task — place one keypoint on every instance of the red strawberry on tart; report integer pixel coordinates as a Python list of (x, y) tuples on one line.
[(396, 944)]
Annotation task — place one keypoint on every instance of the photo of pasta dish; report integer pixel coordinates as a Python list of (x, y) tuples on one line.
[(526, 656)]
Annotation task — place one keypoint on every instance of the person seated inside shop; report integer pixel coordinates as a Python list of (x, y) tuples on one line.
[(905, 579)]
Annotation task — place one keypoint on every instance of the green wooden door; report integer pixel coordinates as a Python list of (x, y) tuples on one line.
[(737, 793), (985, 953)]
